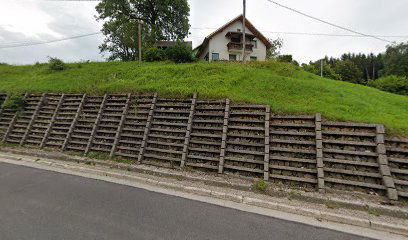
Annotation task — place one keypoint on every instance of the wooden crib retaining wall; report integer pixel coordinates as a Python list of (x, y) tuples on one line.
[(214, 135)]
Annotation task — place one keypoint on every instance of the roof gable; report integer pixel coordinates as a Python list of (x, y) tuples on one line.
[(248, 25)]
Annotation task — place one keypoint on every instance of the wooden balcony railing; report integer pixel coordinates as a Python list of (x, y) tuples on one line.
[(238, 46)]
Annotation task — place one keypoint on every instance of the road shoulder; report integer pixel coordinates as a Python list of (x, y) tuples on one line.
[(351, 221)]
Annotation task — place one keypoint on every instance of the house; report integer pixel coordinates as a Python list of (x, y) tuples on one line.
[(226, 43)]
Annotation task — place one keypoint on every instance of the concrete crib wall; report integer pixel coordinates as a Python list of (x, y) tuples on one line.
[(214, 135)]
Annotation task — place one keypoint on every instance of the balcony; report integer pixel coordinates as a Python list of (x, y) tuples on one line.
[(232, 46)]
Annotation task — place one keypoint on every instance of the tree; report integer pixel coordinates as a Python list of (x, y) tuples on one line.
[(275, 49), (161, 20), (120, 40), (396, 60), (287, 59), (328, 71), (349, 72)]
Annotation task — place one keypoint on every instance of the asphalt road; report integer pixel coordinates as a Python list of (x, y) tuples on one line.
[(38, 204)]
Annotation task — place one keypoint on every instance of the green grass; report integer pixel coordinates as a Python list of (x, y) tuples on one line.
[(260, 186), (284, 87), (98, 155)]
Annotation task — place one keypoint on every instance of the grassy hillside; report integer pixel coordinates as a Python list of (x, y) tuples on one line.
[(284, 87)]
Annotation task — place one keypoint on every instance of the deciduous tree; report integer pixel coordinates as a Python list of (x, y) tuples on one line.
[(161, 20), (396, 60), (349, 72)]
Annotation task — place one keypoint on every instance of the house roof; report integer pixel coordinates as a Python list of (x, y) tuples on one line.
[(248, 24)]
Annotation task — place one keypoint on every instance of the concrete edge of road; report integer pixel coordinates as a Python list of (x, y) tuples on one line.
[(251, 201), (341, 203)]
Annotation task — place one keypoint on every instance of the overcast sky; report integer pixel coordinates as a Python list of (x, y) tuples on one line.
[(26, 21)]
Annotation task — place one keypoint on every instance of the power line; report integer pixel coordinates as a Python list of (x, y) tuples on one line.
[(328, 23), (26, 44), (337, 35), (293, 10), (73, 0), (315, 34), (52, 41)]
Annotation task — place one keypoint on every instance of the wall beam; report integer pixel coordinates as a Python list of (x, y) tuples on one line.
[(54, 117), (188, 132), (33, 117), (74, 122), (224, 136), (120, 127), (384, 168), (147, 129), (319, 153), (96, 124), (267, 141)]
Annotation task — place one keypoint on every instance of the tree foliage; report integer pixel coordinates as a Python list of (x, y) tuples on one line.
[(120, 40), (366, 66), (154, 55), (161, 20), (178, 54), (349, 72), (396, 60), (392, 83), (287, 59), (274, 51), (386, 71), (328, 71)]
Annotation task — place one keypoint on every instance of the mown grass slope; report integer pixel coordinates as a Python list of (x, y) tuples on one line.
[(284, 87)]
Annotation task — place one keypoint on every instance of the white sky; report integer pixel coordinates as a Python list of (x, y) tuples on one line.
[(39, 20)]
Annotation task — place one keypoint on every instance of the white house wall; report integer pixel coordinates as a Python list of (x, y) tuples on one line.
[(205, 52), (218, 44)]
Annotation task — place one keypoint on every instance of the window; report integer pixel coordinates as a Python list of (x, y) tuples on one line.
[(215, 56), (254, 58), (255, 43), (233, 57)]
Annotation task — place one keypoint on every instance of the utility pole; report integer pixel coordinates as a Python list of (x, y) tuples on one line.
[(140, 41), (321, 68), (243, 33)]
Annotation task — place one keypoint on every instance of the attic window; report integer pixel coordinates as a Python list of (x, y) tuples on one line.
[(238, 30)]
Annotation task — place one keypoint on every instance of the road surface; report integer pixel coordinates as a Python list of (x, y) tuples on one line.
[(39, 204)]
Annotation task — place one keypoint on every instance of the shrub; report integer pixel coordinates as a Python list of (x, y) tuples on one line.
[(154, 55), (287, 59), (392, 84), (179, 54), (14, 102), (56, 64), (260, 186)]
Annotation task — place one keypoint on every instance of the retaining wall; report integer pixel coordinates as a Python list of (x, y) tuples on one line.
[(218, 136)]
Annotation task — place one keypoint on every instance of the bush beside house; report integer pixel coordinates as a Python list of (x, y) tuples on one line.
[(177, 54)]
